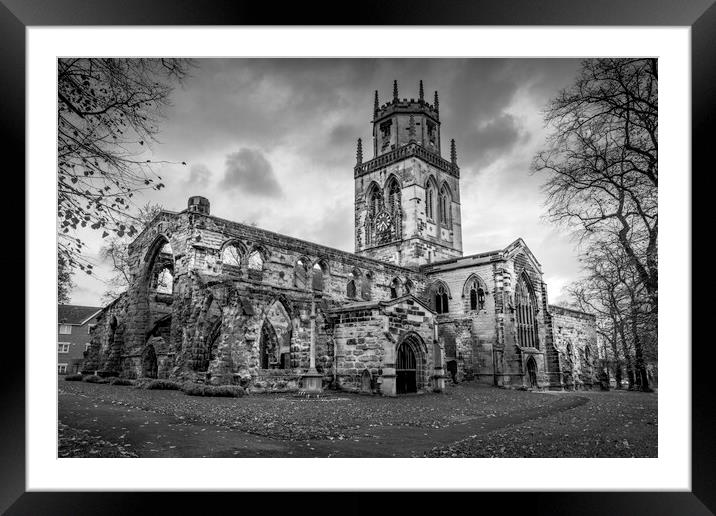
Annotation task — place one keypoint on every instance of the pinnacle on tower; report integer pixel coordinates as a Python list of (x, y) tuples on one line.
[(453, 152), (411, 129), (395, 90), (422, 93), (359, 153), (376, 104), (437, 102)]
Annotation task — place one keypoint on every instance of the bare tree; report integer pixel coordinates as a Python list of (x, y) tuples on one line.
[(108, 113), (601, 160), (115, 253)]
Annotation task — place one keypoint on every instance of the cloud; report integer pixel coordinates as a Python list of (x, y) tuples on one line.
[(199, 175), (250, 171)]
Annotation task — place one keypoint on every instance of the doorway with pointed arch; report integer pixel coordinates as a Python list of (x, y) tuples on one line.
[(532, 372), (408, 365)]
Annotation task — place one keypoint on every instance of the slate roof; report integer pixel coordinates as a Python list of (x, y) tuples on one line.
[(75, 314)]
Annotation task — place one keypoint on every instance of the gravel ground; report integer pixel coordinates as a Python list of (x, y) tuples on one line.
[(81, 443), (336, 416), (612, 424)]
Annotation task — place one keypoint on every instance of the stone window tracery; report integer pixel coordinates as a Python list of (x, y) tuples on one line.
[(526, 314)]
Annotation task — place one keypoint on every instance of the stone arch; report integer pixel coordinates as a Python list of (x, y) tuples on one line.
[(319, 274), (231, 255), (149, 362), (366, 381), (474, 292), (411, 364), (276, 335)]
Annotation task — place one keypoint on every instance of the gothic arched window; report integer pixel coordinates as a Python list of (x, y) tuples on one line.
[(375, 200), (430, 198), (440, 299), (526, 310), (394, 196), (351, 289), (445, 206), (366, 287), (394, 288), (300, 274), (231, 255), (319, 271), (255, 261)]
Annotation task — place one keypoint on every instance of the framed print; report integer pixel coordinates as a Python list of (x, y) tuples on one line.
[(229, 292)]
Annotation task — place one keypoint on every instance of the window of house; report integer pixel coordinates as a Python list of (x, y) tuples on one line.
[(65, 329), (63, 347), (62, 368)]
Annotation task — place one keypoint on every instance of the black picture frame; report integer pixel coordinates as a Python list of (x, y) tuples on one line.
[(16, 15)]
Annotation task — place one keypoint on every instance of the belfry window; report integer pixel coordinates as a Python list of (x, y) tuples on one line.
[(430, 198), (445, 207), (394, 197), (526, 314)]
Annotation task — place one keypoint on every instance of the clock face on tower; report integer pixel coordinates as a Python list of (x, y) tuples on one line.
[(383, 223)]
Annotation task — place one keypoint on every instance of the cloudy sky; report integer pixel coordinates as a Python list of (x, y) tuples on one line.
[(272, 142)]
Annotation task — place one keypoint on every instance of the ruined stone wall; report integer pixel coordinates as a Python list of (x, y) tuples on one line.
[(575, 339)]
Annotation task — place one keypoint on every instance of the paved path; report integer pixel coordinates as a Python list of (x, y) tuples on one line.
[(149, 434)]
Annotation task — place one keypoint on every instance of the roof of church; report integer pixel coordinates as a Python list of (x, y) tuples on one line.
[(362, 305), (488, 256)]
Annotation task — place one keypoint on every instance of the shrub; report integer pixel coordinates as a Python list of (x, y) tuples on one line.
[(120, 381), (226, 391), (92, 378), (73, 378), (163, 385)]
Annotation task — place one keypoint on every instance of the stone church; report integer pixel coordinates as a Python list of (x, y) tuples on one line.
[(216, 301)]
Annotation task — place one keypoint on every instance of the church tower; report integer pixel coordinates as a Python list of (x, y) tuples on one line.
[(407, 197)]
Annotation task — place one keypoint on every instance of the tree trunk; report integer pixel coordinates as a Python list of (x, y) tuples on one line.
[(641, 376)]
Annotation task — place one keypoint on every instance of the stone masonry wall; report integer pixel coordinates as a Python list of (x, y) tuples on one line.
[(575, 339)]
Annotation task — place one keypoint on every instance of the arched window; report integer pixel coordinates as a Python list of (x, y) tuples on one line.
[(408, 286), (375, 200), (255, 261), (440, 299), (445, 206), (231, 255), (430, 198), (395, 288), (319, 271), (351, 289), (300, 274), (366, 286), (165, 281), (394, 196), (526, 310), (475, 290)]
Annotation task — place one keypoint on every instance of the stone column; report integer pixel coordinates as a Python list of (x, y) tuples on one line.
[(439, 375), (313, 380)]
